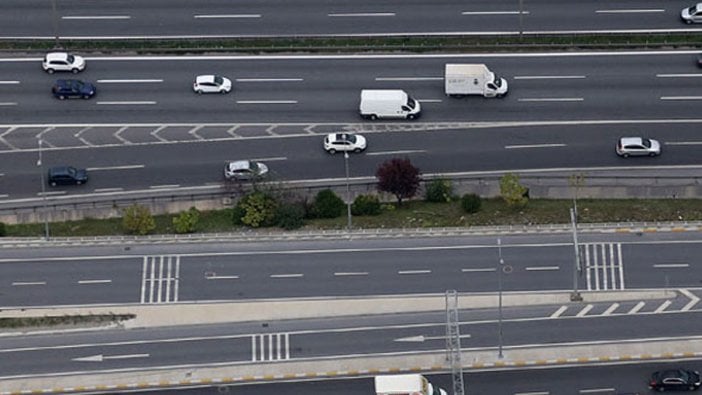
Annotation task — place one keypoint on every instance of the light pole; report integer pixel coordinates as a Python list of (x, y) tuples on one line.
[(54, 22), (575, 295), (500, 266), (43, 191), (348, 192)]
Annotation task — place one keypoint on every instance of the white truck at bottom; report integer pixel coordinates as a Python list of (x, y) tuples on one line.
[(405, 384), (473, 79)]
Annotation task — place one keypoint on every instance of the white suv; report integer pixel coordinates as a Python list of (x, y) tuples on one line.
[(62, 61), (344, 142)]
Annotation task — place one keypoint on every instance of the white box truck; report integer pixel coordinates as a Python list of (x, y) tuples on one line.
[(405, 384), (473, 79), (388, 103)]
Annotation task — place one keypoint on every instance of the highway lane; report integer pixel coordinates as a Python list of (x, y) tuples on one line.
[(219, 18), (351, 337), (342, 268), (317, 89)]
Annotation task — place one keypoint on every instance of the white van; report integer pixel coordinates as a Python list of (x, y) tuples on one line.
[(388, 103), (473, 79)]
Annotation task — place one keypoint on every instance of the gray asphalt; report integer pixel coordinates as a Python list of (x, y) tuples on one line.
[(64, 276), (159, 18)]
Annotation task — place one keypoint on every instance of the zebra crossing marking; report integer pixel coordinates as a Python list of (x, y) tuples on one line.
[(160, 279), (275, 345)]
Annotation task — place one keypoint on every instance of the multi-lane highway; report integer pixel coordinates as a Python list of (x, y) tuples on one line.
[(23, 19)]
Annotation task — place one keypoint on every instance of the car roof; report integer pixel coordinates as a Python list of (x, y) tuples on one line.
[(239, 165), (631, 140), (205, 78), (60, 169), (56, 55)]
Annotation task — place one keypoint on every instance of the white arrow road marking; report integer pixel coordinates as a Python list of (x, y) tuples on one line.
[(100, 357), (693, 299), (422, 338)]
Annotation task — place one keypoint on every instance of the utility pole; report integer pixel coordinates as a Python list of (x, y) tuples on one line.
[(54, 22), (500, 266), (43, 191), (453, 341), (348, 193), (575, 296)]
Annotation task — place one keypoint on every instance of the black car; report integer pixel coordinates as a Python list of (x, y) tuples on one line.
[(67, 175), (63, 89), (677, 379)]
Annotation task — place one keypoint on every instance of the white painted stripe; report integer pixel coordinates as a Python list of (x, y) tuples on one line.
[(125, 167), (296, 275), (596, 390), (227, 16), (670, 265), (542, 268), (126, 103), (8, 103), (552, 99), (636, 308), (164, 186), (396, 152), (532, 393), (663, 306), (23, 283), (128, 81), (270, 159), (9, 82), (269, 79), (96, 17), (486, 269), (681, 97), (684, 143), (611, 309), (548, 77), (94, 281), (679, 75), (221, 277), (429, 100), (534, 146), (693, 299), (494, 12), (371, 14), (409, 78), (424, 271), (266, 101), (351, 273), (4, 196), (51, 193), (108, 189), (630, 11), (584, 311), (558, 312)]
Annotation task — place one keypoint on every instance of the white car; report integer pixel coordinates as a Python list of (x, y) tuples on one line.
[(63, 61), (692, 14), (244, 170), (638, 146), (212, 84), (344, 142)]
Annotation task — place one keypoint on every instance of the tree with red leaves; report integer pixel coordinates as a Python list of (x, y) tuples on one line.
[(399, 177)]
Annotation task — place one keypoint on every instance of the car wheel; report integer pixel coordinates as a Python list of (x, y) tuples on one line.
[(86, 97), (373, 117), (357, 150), (411, 116), (689, 22), (50, 71), (53, 184), (199, 91), (332, 151), (652, 154), (74, 71), (223, 91), (79, 182), (62, 97), (625, 155)]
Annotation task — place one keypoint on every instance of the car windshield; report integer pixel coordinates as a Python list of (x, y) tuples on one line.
[(410, 102), (253, 166), (70, 58), (218, 80), (77, 84), (351, 138), (498, 81), (646, 143), (72, 171), (692, 9)]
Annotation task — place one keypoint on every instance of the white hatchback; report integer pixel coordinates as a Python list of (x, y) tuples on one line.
[(63, 61), (212, 84), (638, 146), (344, 142), (692, 14), (244, 170)]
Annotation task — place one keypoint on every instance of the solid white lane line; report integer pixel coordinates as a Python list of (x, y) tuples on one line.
[(221, 277), (23, 283), (371, 14), (494, 13), (396, 152), (4, 196), (266, 101), (351, 273), (630, 11), (670, 265), (9, 82), (541, 268), (611, 309), (532, 393), (108, 189), (678, 75), (118, 103), (429, 100), (663, 306), (548, 77), (8, 103), (554, 99), (269, 79), (596, 390), (534, 146), (96, 17), (125, 167), (584, 311), (681, 97), (165, 186), (94, 281), (683, 143), (413, 271), (227, 16), (486, 269), (296, 275), (51, 193), (271, 159), (636, 308), (409, 78), (128, 81), (558, 312)]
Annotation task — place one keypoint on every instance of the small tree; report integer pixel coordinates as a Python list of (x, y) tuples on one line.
[(258, 208), (399, 177), (471, 203), (439, 191), (513, 193), (186, 222), (291, 216), (328, 205), (3, 230), (137, 220), (366, 205)]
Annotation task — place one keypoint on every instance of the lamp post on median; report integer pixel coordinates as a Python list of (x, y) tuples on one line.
[(348, 192), (500, 267), (43, 191)]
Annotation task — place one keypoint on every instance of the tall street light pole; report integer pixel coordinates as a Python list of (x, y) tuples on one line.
[(43, 191), (348, 192), (575, 295), (500, 267), (54, 22)]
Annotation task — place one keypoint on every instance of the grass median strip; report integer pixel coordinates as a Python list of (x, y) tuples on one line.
[(63, 321)]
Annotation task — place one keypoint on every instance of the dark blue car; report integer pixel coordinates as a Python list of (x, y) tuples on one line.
[(64, 89)]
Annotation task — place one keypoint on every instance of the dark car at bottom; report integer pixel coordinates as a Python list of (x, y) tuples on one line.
[(675, 379), (67, 175), (66, 89)]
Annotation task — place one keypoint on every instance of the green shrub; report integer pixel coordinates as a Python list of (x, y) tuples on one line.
[(471, 203), (3, 230), (238, 212), (186, 222), (291, 216), (137, 220), (328, 205), (439, 191), (514, 194), (259, 209), (366, 205)]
